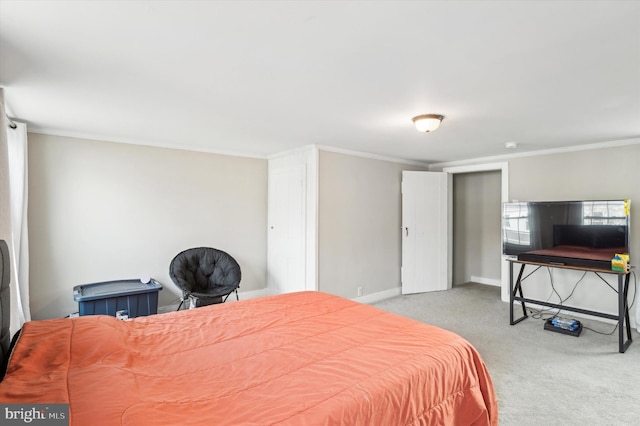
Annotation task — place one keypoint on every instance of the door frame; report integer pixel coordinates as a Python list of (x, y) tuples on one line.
[(503, 167)]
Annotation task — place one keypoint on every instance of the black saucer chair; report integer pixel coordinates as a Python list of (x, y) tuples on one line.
[(205, 275)]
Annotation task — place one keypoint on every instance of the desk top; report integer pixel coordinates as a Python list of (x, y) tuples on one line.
[(564, 266)]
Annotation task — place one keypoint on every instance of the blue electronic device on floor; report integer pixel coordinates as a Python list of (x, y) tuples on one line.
[(562, 325)]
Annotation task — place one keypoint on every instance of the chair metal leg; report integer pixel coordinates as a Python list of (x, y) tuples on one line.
[(227, 296), (185, 298)]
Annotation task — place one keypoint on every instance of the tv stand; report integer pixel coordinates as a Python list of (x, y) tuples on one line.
[(623, 308)]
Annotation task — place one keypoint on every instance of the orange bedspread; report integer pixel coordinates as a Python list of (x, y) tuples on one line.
[(300, 359)]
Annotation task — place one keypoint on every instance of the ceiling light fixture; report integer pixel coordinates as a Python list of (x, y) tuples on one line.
[(427, 122)]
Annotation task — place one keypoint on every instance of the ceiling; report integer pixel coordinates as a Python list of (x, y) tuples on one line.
[(260, 77)]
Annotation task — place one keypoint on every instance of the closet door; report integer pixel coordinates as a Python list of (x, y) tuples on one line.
[(286, 253), (426, 231)]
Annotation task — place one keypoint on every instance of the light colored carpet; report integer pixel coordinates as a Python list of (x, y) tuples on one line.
[(540, 377)]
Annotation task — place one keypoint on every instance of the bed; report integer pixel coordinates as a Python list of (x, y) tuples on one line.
[(294, 359)]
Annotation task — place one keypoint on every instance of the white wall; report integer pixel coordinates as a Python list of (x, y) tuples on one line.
[(359, 219), (101, 211)]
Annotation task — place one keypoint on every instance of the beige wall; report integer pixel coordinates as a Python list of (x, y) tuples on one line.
[(599, 174), (477, 226), (603, 173), (102, 211), (359, 219), (607, 173)]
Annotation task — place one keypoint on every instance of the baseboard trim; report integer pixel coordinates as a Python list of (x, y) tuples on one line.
[(496, 282), (376, 297)]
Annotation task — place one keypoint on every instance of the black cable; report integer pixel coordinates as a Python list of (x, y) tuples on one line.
[(633, 300), (538, 313), (635, 289), (554, 290), (572, 291), (574, 288), (602, 332), (553, 286)]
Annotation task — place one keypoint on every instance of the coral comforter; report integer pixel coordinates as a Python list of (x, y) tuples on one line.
[(298, 359)]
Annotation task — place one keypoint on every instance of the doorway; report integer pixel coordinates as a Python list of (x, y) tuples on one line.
[(477, 228), (496, 253)]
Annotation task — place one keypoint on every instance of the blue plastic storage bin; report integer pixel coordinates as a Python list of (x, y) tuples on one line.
[(106, 298)]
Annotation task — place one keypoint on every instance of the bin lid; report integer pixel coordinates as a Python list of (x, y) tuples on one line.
[(116, 288)]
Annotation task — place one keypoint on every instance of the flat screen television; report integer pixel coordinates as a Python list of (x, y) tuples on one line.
[(577, 233)]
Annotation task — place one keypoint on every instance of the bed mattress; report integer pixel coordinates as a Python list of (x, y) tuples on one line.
[(294, 359)]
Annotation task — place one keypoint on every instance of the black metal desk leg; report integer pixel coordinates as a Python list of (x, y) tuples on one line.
[(512, 294), (626, 306), (623, 313), (519, 288)]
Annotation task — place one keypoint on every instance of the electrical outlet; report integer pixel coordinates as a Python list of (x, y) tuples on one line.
[(359, 291)]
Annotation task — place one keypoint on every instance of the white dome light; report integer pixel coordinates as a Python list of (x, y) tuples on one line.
[(427, 122)]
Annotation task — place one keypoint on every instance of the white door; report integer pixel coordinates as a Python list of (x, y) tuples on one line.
[(286, 239), (426, 231)]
